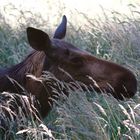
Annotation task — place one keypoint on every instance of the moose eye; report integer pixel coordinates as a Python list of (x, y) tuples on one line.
[(67, 52), (77, 61)]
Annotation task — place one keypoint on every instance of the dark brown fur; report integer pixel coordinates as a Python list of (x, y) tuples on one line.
[(51, 55)]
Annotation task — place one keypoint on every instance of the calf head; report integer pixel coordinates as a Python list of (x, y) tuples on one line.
[(69, 63)]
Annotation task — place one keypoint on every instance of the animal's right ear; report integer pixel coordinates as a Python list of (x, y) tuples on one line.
[(38, 39), (61, 29)]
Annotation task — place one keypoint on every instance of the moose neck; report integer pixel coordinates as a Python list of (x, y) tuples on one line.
[(11, 78), (33, 64)]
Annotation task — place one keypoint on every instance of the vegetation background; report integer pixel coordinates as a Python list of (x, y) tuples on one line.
[(108, 29)]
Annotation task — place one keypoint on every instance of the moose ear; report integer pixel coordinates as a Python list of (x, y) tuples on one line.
[(61, 29), (38, 39)]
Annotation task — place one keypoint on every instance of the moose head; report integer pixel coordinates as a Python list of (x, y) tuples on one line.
[(81, 65)]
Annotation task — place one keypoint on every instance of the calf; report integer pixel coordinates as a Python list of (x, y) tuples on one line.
[(55, 55)]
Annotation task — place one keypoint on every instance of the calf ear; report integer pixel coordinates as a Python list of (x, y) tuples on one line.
[(61, 29), (38, 39)]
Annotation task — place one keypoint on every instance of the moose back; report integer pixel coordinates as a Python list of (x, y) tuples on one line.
[(53, 55)]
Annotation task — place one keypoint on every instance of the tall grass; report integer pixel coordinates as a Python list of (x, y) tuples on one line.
[(82, 115), (19, 118)]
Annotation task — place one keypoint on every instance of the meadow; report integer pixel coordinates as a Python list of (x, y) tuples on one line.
[(84, 115)]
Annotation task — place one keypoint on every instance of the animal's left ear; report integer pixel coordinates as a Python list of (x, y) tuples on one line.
[(38, 39), (61, 29)]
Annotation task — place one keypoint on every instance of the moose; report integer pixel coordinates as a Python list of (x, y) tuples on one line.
[(54, 55)]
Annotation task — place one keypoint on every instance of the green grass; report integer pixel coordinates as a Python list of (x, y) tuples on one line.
[(84, 115)]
